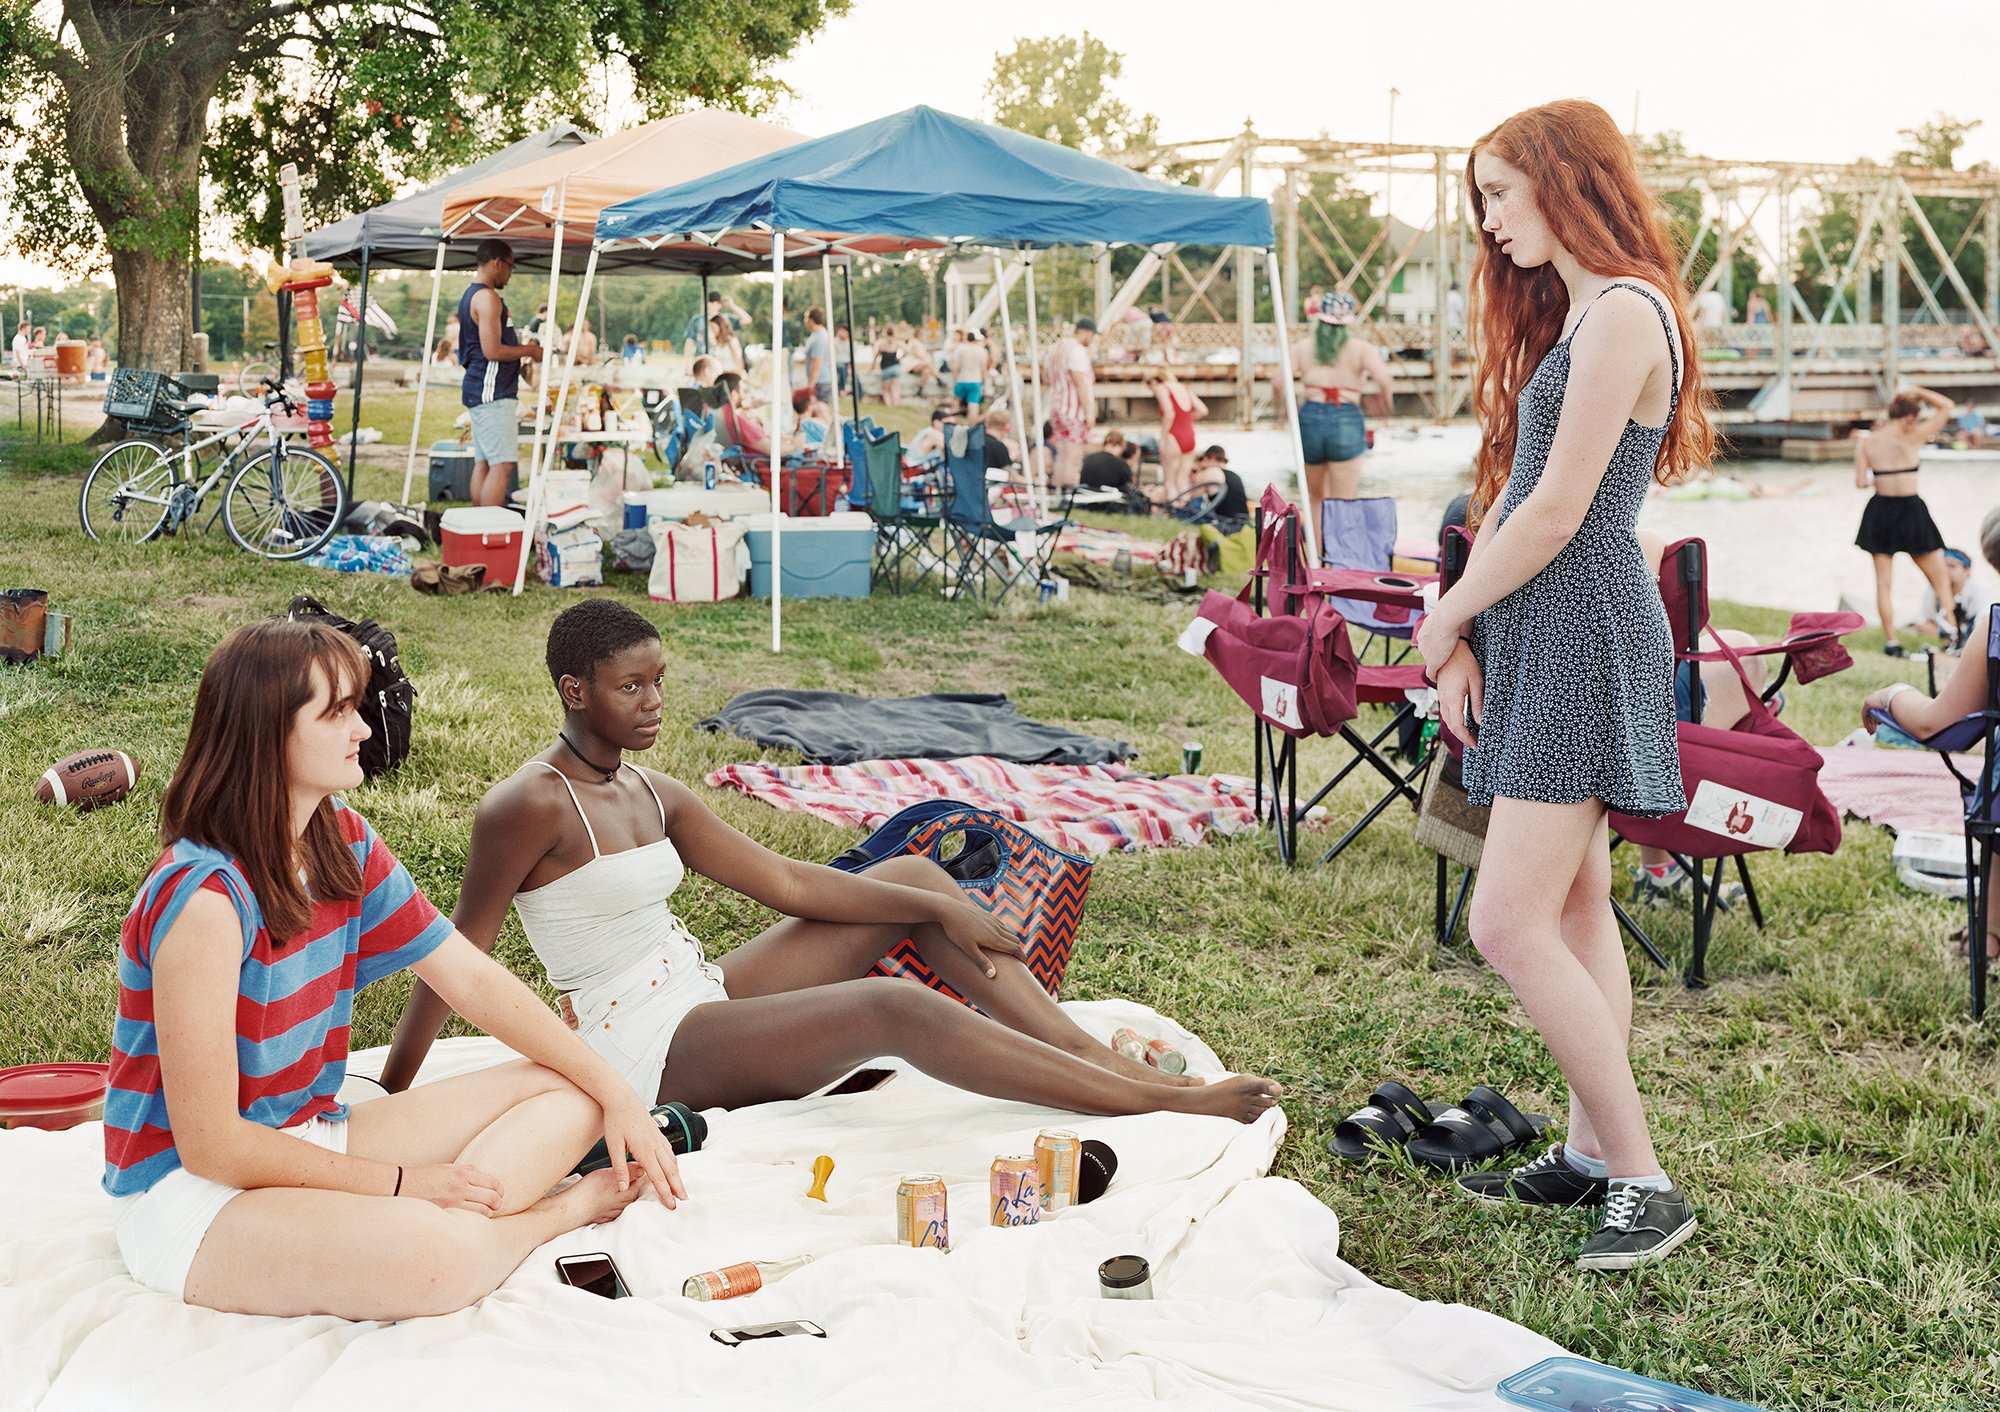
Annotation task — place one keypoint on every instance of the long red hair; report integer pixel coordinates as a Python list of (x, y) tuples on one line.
[(231, 792), (1586, 185)]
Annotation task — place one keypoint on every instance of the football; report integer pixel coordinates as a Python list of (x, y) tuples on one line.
[(88, 778)]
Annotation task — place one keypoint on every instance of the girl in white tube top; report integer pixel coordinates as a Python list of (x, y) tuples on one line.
[(590, 847)]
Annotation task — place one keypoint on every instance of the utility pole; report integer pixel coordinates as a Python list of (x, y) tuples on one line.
[(1389, 210)]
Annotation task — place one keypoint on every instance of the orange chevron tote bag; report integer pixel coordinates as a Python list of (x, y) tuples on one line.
[(1033, 886)]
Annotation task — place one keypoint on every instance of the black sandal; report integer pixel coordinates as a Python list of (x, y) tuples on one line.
[(1392, 1114), (1483, 1126)]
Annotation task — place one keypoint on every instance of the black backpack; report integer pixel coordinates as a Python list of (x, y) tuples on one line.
[(391, 697)]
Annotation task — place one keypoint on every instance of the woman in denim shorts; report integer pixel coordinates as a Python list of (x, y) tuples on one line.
[(1332, 368)]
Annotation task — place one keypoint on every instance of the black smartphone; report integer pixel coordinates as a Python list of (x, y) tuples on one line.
[(732, 1337), (861, 1080), (596, 1273)]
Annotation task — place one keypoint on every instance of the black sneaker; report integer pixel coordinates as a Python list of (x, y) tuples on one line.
[(1640, 1226), (1549, 1180)]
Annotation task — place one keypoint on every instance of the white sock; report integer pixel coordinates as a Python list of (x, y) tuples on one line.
[(1584, 1166), (1659, 1181)]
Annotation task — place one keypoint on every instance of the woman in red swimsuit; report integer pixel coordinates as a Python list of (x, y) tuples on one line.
[(1180, 409)]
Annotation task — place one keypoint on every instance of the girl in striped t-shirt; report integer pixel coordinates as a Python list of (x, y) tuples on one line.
[(271, 905)]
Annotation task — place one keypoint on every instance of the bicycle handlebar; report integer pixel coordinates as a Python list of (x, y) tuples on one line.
[(275, 392)]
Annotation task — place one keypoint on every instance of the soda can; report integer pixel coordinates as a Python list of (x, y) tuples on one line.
[(1165, 1058), (1017, 1190), (1191, 758), (921, 1218), (1048, 591), (1130, 1043), (1058, 1153)]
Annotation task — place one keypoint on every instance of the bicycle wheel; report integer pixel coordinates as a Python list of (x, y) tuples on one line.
[(250, 381), (285, 504), (125, 497)]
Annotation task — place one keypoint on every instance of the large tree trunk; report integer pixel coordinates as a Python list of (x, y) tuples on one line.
[(138, 111), (153, 310)]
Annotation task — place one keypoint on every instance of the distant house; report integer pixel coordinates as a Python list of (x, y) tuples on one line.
[(1413, 294)]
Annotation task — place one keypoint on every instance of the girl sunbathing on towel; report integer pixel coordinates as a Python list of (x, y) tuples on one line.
[(589, 848), (242, 1183)]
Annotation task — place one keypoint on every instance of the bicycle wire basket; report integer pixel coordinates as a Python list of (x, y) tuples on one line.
[(140, 395)]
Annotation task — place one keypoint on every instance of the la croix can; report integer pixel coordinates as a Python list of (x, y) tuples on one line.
[(1017, 1190), (1057, 1154), (1191, 757), (921, 1217)]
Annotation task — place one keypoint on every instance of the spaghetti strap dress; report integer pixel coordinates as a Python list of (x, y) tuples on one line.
[(1579, 660)]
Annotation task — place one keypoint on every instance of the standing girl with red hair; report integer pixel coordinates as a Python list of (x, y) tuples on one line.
[(1552, 653)]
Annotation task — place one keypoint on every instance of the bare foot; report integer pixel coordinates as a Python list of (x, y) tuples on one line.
[(1244, 1097), (591, 1199)]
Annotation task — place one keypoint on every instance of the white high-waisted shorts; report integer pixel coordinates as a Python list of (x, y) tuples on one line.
[(630, 1018), (161, 1229)]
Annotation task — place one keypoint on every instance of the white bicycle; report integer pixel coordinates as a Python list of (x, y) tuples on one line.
[(279, 500)]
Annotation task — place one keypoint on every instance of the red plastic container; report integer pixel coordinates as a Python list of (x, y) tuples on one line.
[(52, 1096), (484, 534), (321, 391)]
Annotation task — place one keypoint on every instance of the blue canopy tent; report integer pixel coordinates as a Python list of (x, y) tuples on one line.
[(924, 180)]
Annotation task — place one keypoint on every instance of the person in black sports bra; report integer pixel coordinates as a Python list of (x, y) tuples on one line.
[(1896, 520)]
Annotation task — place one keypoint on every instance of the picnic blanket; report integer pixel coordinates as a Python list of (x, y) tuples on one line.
[(834, 728), (1103, 546), (1086, 809), (1898, 789), (1254, 1307)]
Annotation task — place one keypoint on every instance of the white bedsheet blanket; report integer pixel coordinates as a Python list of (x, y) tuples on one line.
[(1253, 1309)]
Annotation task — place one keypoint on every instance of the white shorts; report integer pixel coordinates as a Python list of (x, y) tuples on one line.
[(161, 1229), (630, 1019), (496, 432)]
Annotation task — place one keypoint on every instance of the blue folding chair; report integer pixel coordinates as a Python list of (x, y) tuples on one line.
[(1981, 793), (982, 549), (1361, 534)]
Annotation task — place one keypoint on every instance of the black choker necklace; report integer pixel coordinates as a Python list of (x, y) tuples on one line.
[(609, 775)]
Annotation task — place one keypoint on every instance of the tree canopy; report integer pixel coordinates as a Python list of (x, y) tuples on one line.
[(132, 122), (1059, 89)]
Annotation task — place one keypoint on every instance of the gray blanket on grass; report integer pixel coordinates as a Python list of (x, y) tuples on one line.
[(833, 728)]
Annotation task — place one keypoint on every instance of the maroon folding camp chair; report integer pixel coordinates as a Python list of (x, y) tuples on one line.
[(1283, 586), (1752, 788)]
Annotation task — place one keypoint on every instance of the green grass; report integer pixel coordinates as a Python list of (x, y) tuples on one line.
[(1827, 1100)]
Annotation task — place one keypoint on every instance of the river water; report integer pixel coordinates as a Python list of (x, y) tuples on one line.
[(1791, 548)]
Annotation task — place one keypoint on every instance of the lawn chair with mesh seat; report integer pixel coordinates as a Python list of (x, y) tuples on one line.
[(1361, 534), (1282, 585), (1980, 790), (982, 548), (904, 524)]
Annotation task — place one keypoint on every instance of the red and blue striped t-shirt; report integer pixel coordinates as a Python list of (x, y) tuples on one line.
[(294, 1002)]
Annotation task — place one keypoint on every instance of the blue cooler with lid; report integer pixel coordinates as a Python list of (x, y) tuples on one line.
[(824, 556)]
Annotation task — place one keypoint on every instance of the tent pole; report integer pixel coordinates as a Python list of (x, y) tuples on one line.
[(771, 434), (424, 376), (537, 488), (826, 307), (1291, 411), (1015, 400), (360, 357), (548, 352), (853, 372), (1033, 440)]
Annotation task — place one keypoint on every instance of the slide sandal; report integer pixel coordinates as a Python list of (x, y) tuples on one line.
[(1483, 1126), (1392, 1114)]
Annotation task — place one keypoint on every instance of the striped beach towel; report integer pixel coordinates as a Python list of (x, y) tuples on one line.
[(1086, 809)]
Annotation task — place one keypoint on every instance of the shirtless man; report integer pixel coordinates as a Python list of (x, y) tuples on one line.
[(589, 847), (1072, 388), (1334, 369), (969, 361)]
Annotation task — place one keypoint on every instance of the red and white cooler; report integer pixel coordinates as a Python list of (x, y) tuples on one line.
[(484, 534)]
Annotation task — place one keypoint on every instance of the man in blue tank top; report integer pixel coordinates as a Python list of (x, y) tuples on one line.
[(492, 362)]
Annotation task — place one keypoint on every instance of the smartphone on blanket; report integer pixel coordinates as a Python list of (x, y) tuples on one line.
[(595, 1273), (1572, 1385), (731, 1337)]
